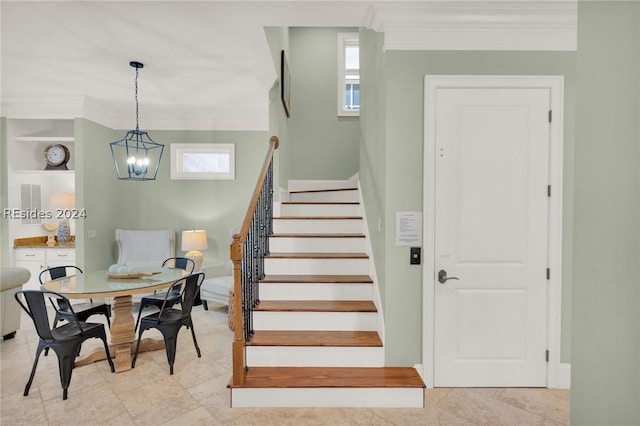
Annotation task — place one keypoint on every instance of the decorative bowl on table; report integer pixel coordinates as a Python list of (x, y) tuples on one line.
[(128, 272)]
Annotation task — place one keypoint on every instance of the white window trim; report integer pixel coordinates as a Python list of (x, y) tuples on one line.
[(343, 40), (179, 149)]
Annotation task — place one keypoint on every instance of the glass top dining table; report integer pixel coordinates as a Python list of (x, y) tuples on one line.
[(100, 284)]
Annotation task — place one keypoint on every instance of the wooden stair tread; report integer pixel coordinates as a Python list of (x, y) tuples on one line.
[(316, 306), (332, 377), (315, 338), (304, 191), (318, 218), (318, 279), (312, 255), (336, 235)]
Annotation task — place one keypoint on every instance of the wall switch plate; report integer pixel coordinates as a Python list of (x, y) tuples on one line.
[(415, 256)]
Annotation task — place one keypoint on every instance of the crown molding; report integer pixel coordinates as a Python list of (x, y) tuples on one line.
[(39, 106), (69, 107), (477, 25)]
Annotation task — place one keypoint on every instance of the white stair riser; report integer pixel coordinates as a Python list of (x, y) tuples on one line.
[(314, 356), (330, 321), (317, 226), (324, 291), (320, 210), (326, 196), (308, 185), (316, 266), (328, 397), (316, 245)]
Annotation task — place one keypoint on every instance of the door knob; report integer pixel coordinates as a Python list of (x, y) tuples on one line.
[(442, 277)]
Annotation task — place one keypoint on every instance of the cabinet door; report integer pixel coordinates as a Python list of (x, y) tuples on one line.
[(34, 260), (61, 257)]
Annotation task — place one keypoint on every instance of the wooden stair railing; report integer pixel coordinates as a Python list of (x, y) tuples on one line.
[(248, 248)]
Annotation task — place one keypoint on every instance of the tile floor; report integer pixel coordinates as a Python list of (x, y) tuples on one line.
[(197, 395)]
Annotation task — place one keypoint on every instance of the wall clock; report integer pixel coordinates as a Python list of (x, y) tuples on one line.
[(57, 157)]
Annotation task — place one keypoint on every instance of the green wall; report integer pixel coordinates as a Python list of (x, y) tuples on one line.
[(218, 206), (323, 146), (96, 192), (601, 204), (402, 187), (372, 172), (605, 362), (278, 39)]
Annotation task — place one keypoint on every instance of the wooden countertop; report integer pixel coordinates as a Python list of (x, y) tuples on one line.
[(41, 242)]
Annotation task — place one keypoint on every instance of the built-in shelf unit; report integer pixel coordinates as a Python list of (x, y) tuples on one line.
[(30, 186)]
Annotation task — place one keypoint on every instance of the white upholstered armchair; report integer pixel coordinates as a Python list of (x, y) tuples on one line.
[(218, 280), (145, 248)]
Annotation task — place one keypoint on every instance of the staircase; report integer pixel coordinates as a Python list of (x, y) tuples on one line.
[(316, 341)]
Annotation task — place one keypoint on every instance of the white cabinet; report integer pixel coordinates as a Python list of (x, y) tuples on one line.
[(39, 259)]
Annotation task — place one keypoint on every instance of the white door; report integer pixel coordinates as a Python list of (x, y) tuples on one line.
[(491, 214)]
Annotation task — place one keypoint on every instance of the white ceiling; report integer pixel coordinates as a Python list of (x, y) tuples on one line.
[(207, 63)]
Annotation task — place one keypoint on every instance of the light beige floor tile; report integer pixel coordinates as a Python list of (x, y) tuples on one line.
[(480, 408), (147, 371), (123, 419), (16, 409), (433, 396), (93, 405), (431, 415), (548, 403), (157, 401), (196, 417), (197, 393)]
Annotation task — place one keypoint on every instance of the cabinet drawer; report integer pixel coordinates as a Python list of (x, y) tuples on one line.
[(61, 255), (29, 254)]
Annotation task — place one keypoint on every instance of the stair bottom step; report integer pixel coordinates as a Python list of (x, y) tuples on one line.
[(338, 377), (329, 387)]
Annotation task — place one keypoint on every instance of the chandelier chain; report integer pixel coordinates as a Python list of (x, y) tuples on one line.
[(137, 103)]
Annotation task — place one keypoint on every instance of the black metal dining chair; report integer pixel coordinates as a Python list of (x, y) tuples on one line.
[(169, 320), (82, 310), (65, 340), (158, 298)]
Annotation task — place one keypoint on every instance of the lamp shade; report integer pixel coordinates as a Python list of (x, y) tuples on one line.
[(192, 243), (62, 201), (194, 240)]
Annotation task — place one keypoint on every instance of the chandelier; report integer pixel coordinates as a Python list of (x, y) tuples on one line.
[(136, 156)]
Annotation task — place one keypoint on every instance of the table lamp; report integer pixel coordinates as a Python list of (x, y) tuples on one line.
[(192, 243), (62, 203)]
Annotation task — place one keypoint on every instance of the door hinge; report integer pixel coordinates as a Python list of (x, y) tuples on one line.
[(550, 116), (546, 355), (548, 273), (548, 190)]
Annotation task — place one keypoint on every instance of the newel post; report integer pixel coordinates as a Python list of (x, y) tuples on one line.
[(237, 349)]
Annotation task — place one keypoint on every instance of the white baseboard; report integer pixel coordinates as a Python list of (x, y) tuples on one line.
[(564, 376)]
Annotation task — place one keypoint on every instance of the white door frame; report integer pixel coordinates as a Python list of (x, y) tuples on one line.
[(556, 86)]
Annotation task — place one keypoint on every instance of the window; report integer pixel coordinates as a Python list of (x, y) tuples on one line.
[(202, 161), (348, 74)]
